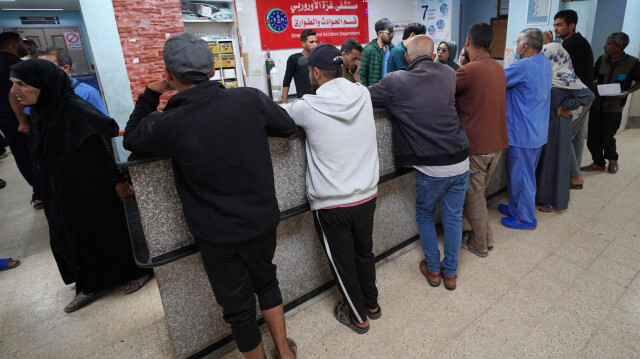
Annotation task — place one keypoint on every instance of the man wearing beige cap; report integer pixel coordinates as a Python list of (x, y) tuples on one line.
[(217, 139)]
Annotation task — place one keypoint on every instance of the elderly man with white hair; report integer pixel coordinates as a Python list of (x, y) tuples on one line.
[(528, 105)]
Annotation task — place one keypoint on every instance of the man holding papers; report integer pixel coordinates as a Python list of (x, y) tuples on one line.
[(617, 74)]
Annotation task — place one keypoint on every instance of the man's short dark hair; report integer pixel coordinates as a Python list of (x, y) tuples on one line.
[(62, 55), (351, 44), (620, 38), (414, 27), (306, 33), (6, 38), (569, 16), (480, 35), (329, 74)]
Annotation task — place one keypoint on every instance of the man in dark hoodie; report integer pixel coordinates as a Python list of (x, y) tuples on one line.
[(428, 136), (217, 139)]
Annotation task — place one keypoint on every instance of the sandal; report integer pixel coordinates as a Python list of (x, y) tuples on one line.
[(341, 312), (374, 315), (465, 245), (4, 263), (139, 283), (82, 300), (292, 346), (547, 208)]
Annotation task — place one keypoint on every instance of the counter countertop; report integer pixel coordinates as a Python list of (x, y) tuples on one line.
[(125, 158)]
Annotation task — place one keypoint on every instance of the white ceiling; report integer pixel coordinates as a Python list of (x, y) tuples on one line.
[(66, 5)]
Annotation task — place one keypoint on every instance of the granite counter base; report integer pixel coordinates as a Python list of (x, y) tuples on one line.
[(195, 320)]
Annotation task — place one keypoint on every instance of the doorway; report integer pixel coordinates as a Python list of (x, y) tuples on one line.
[(55, 36)]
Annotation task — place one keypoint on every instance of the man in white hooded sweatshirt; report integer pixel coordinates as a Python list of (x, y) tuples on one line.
[(342, 180)]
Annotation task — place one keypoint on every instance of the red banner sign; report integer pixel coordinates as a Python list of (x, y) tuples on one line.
[(334, 21)]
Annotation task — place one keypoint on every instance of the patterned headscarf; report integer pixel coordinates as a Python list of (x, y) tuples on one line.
[(563, 75)]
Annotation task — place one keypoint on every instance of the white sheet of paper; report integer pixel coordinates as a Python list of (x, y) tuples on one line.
[(610, 90)]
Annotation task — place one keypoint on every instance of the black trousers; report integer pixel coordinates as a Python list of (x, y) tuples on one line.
[(18, 143), (600, 141), (235, 275), (346, 235)]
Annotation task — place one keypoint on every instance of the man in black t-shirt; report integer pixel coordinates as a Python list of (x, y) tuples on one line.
[(579, 49), (299, 73)]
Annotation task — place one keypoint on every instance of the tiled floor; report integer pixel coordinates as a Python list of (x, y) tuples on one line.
[(569, 289)]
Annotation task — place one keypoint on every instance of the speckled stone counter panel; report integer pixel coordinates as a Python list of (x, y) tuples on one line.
[(289, 168), (195, 320), (385, 142), (161, 211)]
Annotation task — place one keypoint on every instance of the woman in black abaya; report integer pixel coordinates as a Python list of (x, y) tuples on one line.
[(81, 184)]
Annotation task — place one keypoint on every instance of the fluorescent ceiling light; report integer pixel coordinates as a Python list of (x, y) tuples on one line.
[(31, 9)]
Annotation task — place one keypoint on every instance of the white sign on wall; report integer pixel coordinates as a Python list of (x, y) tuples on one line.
[(72, 39), (436, 16)]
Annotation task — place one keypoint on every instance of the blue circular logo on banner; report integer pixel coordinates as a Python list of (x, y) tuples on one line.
[(444, 8), (440, 24), (431, 30), (277, 21)]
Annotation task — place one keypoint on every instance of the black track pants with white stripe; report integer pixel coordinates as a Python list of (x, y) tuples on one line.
[(346, 236)]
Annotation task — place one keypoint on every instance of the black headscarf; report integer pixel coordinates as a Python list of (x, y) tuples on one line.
[(63, 120), (453, 51)]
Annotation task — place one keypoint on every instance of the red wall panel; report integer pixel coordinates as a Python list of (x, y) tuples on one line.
[(143, 27)]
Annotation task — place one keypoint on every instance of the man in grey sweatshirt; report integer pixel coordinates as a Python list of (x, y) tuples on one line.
[(342, 179)]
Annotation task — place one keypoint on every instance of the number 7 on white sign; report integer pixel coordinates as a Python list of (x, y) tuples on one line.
[(424, 15)]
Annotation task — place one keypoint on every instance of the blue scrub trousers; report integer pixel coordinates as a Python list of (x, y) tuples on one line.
[(521, 182)]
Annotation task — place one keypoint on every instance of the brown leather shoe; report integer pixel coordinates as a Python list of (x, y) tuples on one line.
[(449, 282), (592, 167), (613, 166), (432, 278)]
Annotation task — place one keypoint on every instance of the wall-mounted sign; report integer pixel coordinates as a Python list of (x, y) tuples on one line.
[(39, 20), (436, 17), (282, 21), (72, 39), (538, 12)]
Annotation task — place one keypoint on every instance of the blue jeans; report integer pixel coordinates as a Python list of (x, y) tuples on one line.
[(451, 192)]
